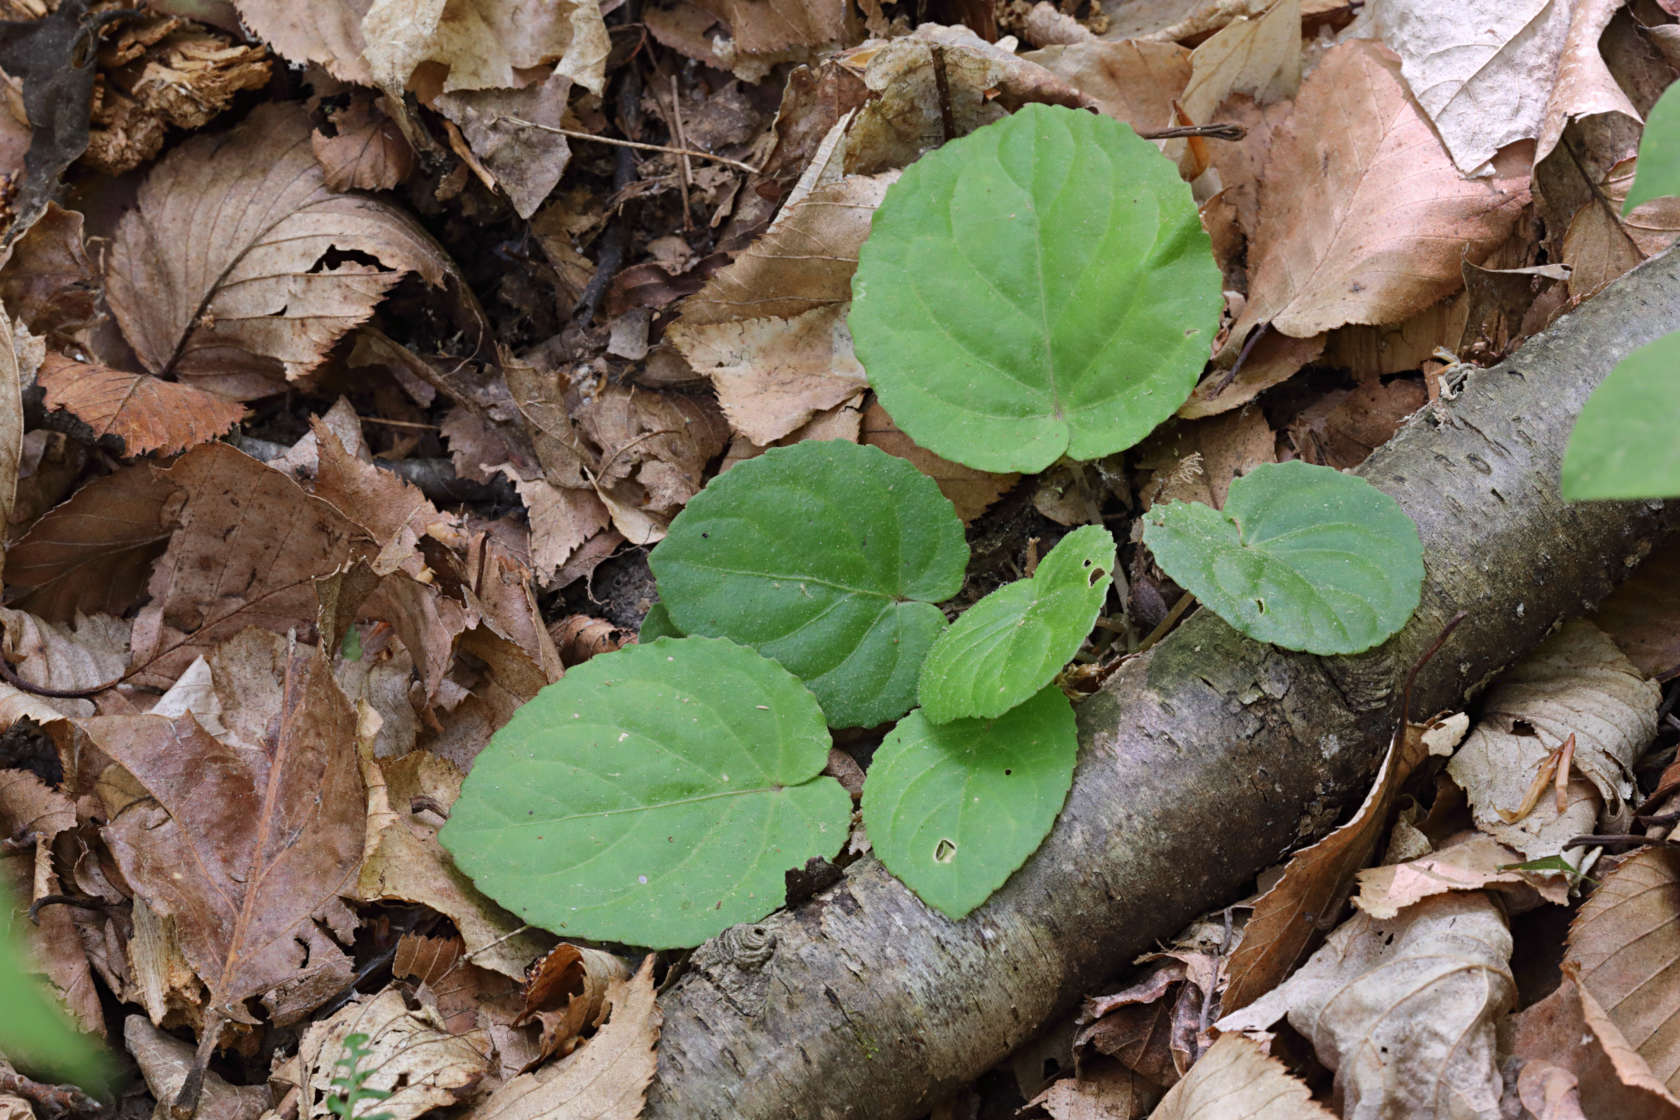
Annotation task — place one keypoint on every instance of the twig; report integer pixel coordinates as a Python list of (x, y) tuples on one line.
[(1213, 131), (686, 167), (637, 144), (1166, 623)]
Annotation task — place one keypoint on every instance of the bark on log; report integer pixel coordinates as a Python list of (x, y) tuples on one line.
[(1201, 763)]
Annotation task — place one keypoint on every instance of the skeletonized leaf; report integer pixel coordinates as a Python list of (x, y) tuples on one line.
[(226, 269), (146, 413), (1363, 217)]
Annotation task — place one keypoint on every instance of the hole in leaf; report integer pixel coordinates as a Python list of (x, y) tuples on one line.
[(944, 851), (1260, 604), (1523, 727), (1096, 574)]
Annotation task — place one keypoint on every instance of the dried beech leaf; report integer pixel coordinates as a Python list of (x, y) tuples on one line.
[(1099, 1094), (248, 841), (1558, 1033), (226, 269), (1236, 1080), (1404, 1011), (566, 992), (144, 412), (90, 654), (1364, 218), (484, 44), (411, 1058)]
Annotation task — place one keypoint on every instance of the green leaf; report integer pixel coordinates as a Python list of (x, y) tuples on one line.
[(654, 795), (954, 808), (1014, 641), (34, 1035), (827, 557), (1040, 287), (1623, 445), (1304, 557), (1656, 174), (657, 624)]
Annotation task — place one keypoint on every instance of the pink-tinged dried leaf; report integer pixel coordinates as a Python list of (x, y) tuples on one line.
[(248, 842), (1237, 1080), (1314, 886), (1404, 1011), (485, 44), (1107, 1093), (225, 270), (145, 413), (91, 554), (971, 491), (411, 1059), (11, 421), (1612, 1079), (1584, 86), (1577, 683), (1131, 81), (1363, 217), (1472, 861), (46, 281), (605, 1079), (366, 151), (1273, 360), (749, 36), (1549, 1092), (1624, 950), (1481, 69), (247, 548), (1642, 616), (406, 863)]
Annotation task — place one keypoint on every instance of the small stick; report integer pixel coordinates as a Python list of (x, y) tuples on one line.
[(1212, 131), (682, 142), (667, 149), (1166, 623)]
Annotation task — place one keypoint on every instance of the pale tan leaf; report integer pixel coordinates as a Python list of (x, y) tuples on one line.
[(1105, 1094), (1624, 951), (525, 159), (222, 270), (388, 508), (365, 151), (410, 1055), (1469, 862), (1576, 683), (248, 546), (1643, 614), (247, 842), (1197, 460), (1273, 360), (971, 491), (1363, 217), (562, 519), (144, 412), (1404, 1011), (1481, 69), (1601, 244), (1259, 56), (1583, 86), (89, 654), (165, 1062), (1131, 80), (92, 553), (1236, 1080), (328, 32), (485, 43), (605, 1079), (1628, 1062), (1314, 885), (1176, 20)]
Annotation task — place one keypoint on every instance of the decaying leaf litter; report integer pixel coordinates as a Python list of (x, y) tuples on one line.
[(353, 372)]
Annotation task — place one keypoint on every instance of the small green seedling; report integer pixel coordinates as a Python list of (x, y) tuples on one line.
[(1039, 288), (1304, 557), (349, 1086), (34, 1034)]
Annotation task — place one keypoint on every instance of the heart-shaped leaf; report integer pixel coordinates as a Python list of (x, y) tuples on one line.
[(1014, 641), (1657, 172), (1041, 287), (954, 808), (827, 557), (653, 795), (1304, 557), (1623, 444)]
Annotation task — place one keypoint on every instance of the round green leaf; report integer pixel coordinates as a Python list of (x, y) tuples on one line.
[(1014, 641), (1040, 287), (1623, 445), (827, 557), (657, 624), (954, 808), (1303, 557), (1656, 174), (654, 795)]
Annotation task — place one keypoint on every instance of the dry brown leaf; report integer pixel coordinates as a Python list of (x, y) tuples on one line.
[(605, 1079), (1642, 616), (1131, 81), (1313, 888), (754, 34), (1404, 1010), (1482, 70), (1099, 1094), (1611, 1078), (1576, 683), (1364, 218), (1153, 1027), (1344, 426), (410, 1056), (365, 150), (1624, 951), (405, 862), (1471, 861), (566, 993), (1197, 460), (1259, 56), (87, 655), (1601, 244), (46, 280), (166, 1061), (389, 509), (143, 412), (1175, 20), (1236, 1080), (1584, 86), (91, 554), (11, 421), (1273, 360), (225, 270), (1377, 351), (971, 491), (525, 159), (247, 841), (247, 548)]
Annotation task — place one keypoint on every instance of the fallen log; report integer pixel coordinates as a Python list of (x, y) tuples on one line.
[(1201, 762)]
